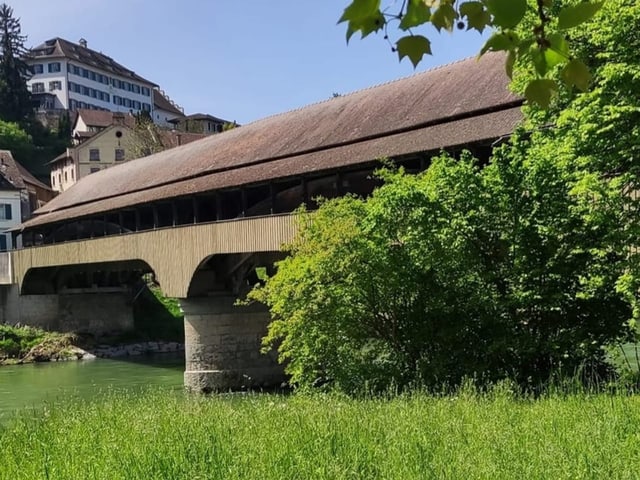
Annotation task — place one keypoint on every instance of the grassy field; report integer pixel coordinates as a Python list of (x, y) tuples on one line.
[(172, 436)]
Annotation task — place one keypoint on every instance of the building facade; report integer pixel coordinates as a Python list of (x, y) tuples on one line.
[(20, 194), (69, 76), (102, 150)]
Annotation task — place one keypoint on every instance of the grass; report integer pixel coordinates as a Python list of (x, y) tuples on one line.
[(468, 436), (17, 343)]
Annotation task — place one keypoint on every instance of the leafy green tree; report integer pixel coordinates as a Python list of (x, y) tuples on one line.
[(545, 44), (521, 269), (15, 99), (15, 139)]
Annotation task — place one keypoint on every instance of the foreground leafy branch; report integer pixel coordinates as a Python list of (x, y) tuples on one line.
[(535, 32)]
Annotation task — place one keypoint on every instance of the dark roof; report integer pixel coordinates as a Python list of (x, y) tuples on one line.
[(64, 155), (203, 116), (30, 179), (162, 102), (172, 139), (61, 48), (9, 170), (455, 105), (102, 118), (16, 174)]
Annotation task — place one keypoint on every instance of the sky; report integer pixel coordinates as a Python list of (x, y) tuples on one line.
[(237, 60)]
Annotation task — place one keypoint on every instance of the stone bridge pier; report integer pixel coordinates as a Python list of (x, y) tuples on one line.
[(223, 339), (222, 345)]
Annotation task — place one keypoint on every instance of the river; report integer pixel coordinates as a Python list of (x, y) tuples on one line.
[(30, 386)]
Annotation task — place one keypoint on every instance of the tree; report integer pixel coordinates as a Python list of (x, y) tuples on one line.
[(520, 269), (545, 44), (15, 139), (15, 99), (145, 139)]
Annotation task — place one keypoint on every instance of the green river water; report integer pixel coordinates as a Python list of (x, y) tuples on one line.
[(30, 386)]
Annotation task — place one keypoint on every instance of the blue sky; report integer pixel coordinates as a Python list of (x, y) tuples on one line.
[(238, 60)]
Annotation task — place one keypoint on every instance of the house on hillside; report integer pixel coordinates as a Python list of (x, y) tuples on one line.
[(71, 76), (89, 122), (200, 123), (102, 140), (20, 194)]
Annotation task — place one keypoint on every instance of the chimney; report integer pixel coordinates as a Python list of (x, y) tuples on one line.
[(82, 42), (118, 118)]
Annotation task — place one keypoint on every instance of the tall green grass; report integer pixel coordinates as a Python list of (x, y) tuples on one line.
[(467, 436)]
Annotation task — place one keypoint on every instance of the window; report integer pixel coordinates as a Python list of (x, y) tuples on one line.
[(136, 88), (53, 180), (146, 107), (72, 174), (54, 67), (119, 154), (37, 68), (94, 154), (65, 176), (55, 85), (94, 169), (3, 242), (146, 92), (37, 87), (5, 211)]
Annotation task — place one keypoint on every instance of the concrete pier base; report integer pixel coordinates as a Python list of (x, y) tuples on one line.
[(222, 346)]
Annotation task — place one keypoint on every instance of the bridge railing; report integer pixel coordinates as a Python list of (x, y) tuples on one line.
[(6, 277)]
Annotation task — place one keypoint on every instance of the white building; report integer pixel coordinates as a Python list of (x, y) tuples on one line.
[(20, 194), (165, 111), (69, 76)]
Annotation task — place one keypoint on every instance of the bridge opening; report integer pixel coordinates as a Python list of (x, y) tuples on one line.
[(260, 199)]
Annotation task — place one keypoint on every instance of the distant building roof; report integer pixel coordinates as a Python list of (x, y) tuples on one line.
[(15, 174), (163, 103), (200, 116), (102, 118), (9, 170), (61, 48), (171, 139), (30, 179)]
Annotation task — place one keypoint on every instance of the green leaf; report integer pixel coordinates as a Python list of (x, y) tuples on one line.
[(413, 46), (363, 16), (477, 16), (576, 73), (575, 15), (359, 10), (558, 50), (540, 91), (417, 13), (511, 60), (507, 13), (539, 60), (500, 42), (444, 17)]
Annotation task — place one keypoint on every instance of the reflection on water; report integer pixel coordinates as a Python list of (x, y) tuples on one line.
[(29, 386)]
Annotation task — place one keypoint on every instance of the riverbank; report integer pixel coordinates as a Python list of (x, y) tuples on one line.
[(469, 435), (19, 345)]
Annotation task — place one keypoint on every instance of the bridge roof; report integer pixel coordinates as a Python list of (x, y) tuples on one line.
[(454, 105)]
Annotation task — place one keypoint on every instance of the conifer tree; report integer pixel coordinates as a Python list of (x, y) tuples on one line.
[(15, 99)]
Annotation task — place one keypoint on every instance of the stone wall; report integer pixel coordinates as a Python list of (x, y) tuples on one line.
[(95, 313)]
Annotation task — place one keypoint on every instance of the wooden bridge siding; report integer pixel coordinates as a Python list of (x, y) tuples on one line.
[(174, 254)]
